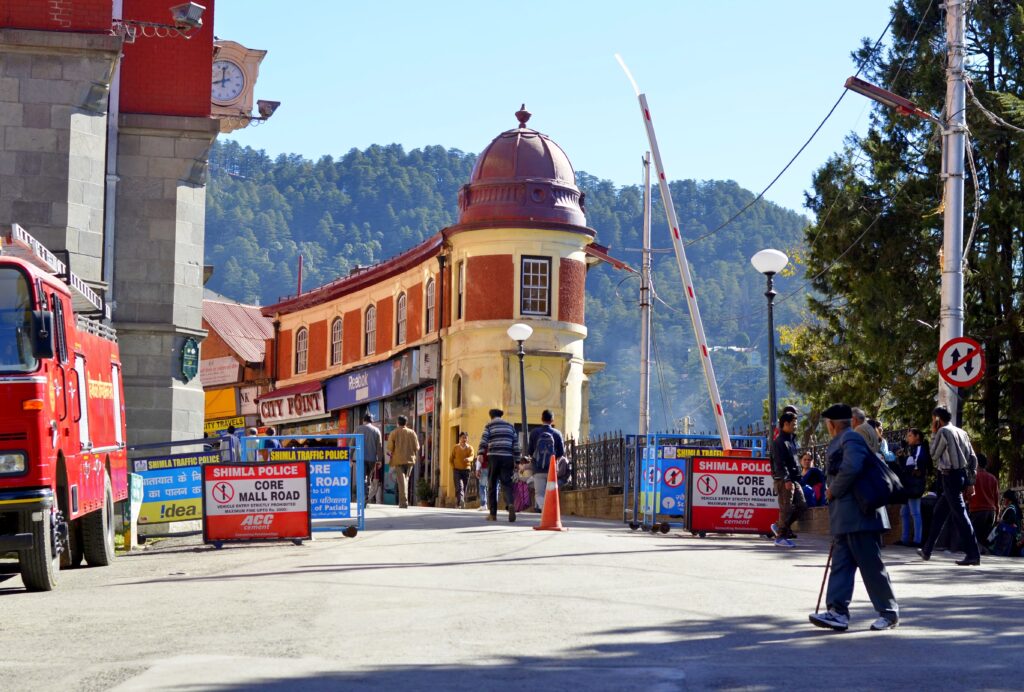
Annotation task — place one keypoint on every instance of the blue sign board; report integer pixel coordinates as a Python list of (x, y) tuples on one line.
[(172, 486), (356, 387), (330, 479)]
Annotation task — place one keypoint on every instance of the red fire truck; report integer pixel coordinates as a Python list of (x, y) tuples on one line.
[(62, 429)]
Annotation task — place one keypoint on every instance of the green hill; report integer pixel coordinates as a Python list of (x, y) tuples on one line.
[(365, 206)]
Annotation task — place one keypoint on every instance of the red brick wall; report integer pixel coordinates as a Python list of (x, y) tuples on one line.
[(88, 16), (318, 346), (213, 345), (167, 76), (284, 354), (490, 282), (352, 336), (385, 325), (414, 313), (572, 278)]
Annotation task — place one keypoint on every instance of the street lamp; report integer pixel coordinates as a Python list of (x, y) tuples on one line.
[(770, 262), (519, 333)]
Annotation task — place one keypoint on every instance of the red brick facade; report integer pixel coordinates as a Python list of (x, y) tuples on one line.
[(352, 337), (285, 342), (490, 282), (319, 346), (414, 313), (87, 16), (385, 324), (572, 279)]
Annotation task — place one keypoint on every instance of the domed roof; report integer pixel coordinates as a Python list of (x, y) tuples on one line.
[(522, 176)]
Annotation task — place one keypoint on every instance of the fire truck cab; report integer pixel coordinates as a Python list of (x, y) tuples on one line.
[(62, 420)]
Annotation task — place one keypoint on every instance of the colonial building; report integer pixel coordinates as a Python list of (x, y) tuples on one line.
[(424, 333)]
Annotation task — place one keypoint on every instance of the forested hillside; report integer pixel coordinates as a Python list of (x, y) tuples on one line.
[(262, 213)]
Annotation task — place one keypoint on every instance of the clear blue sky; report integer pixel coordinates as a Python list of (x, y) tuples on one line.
[(735, 86)]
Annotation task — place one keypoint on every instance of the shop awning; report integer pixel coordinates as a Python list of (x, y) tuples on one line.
[(303, 388)]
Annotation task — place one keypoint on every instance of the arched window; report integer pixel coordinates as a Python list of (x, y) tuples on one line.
[(457, 391), (370, 344), (336, 341), (301, 350), (401, 311), (430, 306)]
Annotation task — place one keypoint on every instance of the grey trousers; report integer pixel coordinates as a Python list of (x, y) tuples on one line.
[(860, 551)]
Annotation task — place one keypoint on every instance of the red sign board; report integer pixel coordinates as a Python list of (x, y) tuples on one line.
[(732, 494), (961, 361), (244, 502)]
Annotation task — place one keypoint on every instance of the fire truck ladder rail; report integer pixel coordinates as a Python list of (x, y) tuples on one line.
[(17, 242)]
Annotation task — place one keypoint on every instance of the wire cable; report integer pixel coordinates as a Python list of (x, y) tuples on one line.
[(785, 168)]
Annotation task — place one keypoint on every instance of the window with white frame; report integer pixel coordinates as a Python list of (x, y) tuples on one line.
[(336, 341), (460, 288), (430, 306), (301, 350), (535, 286), (370, 343), (401, 311)]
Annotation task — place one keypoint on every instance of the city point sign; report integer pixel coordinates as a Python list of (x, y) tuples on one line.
[(294, 407)]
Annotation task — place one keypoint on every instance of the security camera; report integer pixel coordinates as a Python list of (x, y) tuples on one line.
[(188, 15), (267, 108)]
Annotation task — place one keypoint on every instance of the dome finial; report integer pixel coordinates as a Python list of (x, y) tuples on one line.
[(523, 115)]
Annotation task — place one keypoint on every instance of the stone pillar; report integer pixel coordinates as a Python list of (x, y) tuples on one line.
[(158, 269), (53, 139)]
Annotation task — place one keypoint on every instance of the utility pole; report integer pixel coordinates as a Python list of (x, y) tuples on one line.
[(951, 314), (645, 307)]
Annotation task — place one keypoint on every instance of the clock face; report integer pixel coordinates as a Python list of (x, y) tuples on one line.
[(228, 81)]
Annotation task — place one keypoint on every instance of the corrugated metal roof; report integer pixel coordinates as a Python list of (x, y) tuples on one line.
[(243, 327)]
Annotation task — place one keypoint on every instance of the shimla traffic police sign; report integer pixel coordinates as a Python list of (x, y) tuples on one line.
[(961, 361)]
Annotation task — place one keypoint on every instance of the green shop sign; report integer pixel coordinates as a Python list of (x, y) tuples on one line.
[(189, 359)]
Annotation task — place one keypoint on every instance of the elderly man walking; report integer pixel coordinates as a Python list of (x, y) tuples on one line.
[(856, 537), (501, 444)]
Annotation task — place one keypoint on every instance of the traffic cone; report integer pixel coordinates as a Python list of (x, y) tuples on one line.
[(551, 518)]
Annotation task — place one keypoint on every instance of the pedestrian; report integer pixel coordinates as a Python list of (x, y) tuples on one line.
[(813, 480), (788, 486), (545, 442), (883, 445), (913, 467), (230, 448), (373, 458), (482, 477), (789, 408), (461, 460), (954, 460), (864, 429), (501, 443), (403, 449), (984, 503), (1006, 535), (856, 537)]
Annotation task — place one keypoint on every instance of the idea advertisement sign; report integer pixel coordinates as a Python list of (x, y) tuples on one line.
[(171, 486), (731, 494), (268, 500)]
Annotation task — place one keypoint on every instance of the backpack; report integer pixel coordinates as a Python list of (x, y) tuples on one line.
[(543, 451), (877, 486)]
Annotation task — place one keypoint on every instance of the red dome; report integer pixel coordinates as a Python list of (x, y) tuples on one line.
[(522, 176)]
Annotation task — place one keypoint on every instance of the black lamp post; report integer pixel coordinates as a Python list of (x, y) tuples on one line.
[(519, 333), (770, 263)]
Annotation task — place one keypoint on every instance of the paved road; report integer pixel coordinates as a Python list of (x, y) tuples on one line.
[(439, 599)]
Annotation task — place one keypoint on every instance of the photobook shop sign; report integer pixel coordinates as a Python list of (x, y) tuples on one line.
[(731, 494)]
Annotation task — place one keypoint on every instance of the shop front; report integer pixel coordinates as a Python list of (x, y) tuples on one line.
[(298, 410)]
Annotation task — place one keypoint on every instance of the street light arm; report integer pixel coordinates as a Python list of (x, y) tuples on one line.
[(901, 105)]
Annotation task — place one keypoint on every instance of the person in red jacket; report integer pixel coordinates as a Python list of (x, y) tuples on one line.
[(984, 504)]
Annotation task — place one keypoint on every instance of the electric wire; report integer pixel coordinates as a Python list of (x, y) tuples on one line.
[(661, 375), (814, 134)]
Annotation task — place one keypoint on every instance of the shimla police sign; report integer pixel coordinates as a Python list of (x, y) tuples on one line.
[(256, 501), (732, 495)]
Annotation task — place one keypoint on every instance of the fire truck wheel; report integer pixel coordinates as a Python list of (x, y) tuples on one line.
[(98, 530), (40, 567)]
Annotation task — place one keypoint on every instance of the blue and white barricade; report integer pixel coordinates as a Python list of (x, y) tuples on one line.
[(654, 496), (337, 492)]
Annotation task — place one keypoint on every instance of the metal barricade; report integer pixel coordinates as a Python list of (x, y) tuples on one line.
[(172, 477), (336, 476), (654, 492)]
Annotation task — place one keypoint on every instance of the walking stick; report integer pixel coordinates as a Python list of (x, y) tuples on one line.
[(828, 564)]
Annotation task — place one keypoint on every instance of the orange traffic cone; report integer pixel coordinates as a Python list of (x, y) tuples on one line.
[(551, 518)]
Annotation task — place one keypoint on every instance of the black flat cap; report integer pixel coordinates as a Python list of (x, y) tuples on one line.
[(838, 412)]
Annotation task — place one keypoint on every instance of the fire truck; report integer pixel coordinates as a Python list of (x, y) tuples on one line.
[(63, 462)]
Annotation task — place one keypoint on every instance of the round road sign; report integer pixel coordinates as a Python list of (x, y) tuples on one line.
[(961, 361)]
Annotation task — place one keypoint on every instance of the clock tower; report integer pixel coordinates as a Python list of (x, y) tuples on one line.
[(235, 70)]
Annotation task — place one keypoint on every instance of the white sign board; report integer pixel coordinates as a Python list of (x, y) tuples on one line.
[(216, 371)]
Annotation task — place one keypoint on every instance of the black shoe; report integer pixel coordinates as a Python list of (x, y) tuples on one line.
[(969, 562), (924, 556), (511, 514)]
